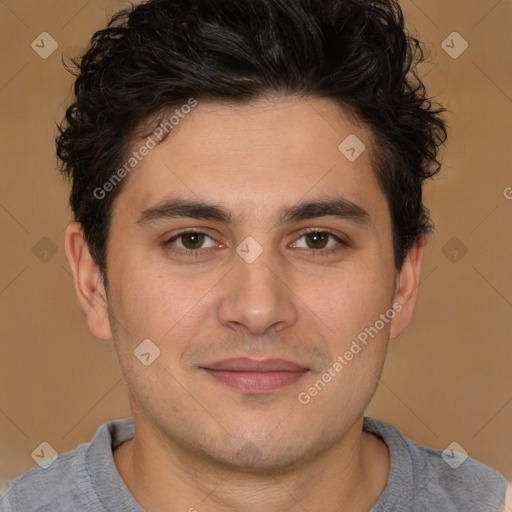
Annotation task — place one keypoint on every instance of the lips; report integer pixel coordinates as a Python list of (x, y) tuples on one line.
[(252, 376), (245, 364)]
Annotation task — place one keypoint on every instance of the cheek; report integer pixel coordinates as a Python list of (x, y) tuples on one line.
[(161, 305), (349, 299), (145, 301)]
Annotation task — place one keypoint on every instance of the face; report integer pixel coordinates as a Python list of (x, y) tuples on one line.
[(255, 270)]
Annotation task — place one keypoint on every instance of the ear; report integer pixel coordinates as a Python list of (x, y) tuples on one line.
[(406, 289), (89, 284)]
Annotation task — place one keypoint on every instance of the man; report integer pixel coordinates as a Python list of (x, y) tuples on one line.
[(249, 230)]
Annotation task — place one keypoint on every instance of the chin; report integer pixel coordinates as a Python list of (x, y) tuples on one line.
[(250, 459), (261, 454)]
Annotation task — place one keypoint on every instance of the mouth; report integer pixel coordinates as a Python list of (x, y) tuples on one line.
[(252, 376)]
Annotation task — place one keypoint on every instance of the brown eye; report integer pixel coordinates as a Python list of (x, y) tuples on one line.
[(317, 239), (192, 240), (319, 242)]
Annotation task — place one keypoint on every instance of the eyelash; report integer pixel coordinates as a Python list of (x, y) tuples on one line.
[(316, 252)]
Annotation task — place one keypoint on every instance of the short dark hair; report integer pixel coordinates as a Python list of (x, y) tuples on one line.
[(157, 55)]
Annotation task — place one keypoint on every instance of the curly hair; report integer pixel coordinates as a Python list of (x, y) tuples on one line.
[(158, 54)]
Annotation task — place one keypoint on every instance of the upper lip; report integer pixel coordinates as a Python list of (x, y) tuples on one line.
[(246, 364)]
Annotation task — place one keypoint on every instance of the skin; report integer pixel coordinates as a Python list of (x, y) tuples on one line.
[(293, 302)]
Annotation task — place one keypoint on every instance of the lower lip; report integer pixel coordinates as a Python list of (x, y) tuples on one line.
[(256, 382)]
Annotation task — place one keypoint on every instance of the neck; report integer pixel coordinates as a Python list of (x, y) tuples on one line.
[(164, 476)]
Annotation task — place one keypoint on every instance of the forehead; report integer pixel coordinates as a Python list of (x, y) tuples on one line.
[(259, 154)]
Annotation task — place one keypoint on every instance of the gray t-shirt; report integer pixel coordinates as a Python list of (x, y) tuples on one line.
[(420, 480)]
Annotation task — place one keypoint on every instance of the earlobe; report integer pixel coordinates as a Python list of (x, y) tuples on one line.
[(406, 290), (89, 284)]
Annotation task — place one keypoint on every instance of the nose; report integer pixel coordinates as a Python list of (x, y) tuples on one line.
[(258, 296)]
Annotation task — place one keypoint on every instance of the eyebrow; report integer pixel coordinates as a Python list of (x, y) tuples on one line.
[(197, 209)]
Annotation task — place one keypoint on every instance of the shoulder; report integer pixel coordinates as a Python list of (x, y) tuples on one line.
[(71, 480), (41, 488), (455, 476), (448, 480)]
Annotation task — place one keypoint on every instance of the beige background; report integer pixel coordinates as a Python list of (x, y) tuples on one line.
[(448, 378)]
